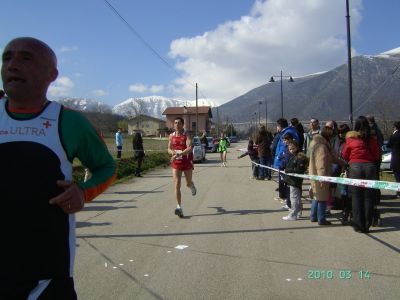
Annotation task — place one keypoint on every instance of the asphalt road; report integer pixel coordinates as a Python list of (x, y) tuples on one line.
[(235, 243)]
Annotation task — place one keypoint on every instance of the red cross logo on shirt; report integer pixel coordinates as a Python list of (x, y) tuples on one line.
[(47, 124)]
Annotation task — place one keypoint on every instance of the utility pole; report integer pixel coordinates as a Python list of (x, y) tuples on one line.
[(349, 63), (197, 115), (266, 113), (217, 121)]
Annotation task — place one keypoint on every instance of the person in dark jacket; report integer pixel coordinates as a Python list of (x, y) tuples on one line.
[(138, 152), (300, 131), (253, 154), (394, 144), (380, 139), (282, 127), (297, 164), (263, 142), (375, 130), (362, 152)]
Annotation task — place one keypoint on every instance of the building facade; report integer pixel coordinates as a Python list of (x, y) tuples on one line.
[(148, 126), (192, 118)]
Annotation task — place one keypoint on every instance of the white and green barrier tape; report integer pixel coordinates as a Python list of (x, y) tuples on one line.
[(372, 184)]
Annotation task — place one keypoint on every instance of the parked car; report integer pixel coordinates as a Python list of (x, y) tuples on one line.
[(386, 157), (233, 139), (211, 146), (199, 151)]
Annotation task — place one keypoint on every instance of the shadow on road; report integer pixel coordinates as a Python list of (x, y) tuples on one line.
[(89, 224), (222, 211), (218, 232), (138, 192), (112, 201), (158, 176), (104, 208)]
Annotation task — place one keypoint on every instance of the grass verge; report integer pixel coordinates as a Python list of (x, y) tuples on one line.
[(127, 166)]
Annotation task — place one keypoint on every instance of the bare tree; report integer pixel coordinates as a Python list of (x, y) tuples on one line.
[(138, 107)]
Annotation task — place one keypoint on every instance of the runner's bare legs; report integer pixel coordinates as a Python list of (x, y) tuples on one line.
[(177, 175), (188, 177)]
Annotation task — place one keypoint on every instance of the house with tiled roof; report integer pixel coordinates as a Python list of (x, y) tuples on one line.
[(190, 115), (147, 125)]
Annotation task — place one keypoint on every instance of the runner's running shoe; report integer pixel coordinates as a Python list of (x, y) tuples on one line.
[(179, 212), (193, 189)]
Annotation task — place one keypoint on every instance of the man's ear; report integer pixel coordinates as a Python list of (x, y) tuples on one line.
[(53, 74)]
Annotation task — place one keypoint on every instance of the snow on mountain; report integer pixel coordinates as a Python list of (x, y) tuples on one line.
[(153, 106), (86, 105), (388, 54)]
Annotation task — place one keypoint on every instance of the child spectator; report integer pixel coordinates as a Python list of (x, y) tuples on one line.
[(284, 158), (252, 152), (297, 163)]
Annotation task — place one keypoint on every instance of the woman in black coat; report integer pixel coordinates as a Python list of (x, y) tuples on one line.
[(138, 152)]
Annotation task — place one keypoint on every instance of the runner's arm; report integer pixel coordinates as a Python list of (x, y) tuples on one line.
[(81, 140), (189, 145)]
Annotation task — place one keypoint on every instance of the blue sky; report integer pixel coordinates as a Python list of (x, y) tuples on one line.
[(227, 46)]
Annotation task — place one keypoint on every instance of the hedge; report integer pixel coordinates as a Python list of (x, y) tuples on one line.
[(127, 166)]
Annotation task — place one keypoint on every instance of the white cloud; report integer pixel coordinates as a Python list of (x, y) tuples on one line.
[(61, 87), (69, 49), (99, 93), (141, 88), (156, 88), (299, 37), (137, 88)]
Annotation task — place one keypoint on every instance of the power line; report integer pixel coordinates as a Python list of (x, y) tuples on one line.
[(136, 33)]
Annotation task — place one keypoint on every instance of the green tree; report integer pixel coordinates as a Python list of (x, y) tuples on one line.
[(123, 124)]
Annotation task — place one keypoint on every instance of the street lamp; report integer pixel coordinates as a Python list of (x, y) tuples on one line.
[(255, 121), (273, 80), (349, 63), (266, 112), (259, 115)]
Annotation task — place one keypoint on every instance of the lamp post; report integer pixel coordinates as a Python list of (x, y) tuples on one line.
[(273, 80), (197, 114), (349, 63), (255, 121), (259, 115), (266, 112)]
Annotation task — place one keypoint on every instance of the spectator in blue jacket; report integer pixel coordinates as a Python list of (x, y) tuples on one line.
[(119, 142), (282, 127)]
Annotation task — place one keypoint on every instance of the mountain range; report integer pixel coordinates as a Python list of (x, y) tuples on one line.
[(325, 95), (376, 90), (151, 106)]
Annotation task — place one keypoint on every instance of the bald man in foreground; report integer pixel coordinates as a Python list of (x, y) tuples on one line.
[(39, 139)]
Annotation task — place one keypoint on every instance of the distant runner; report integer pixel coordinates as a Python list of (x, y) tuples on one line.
[(180, 147), (223, 144)]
